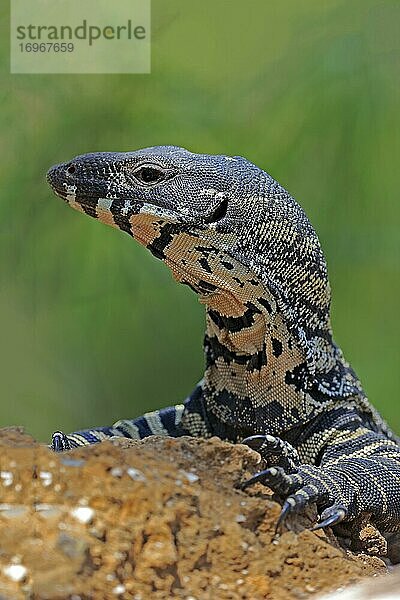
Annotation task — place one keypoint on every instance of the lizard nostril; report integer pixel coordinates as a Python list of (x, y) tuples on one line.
[(71, 169)]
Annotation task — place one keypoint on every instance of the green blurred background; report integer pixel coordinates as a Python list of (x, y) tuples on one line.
[(92, 327)]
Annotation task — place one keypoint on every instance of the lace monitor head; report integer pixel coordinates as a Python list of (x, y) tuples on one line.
[(228, 230)]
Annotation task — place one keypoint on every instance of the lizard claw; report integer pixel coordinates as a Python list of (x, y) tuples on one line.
[(331, 516), (59, 442), (286, 509), (274, 477), (245, 484), (254, 441), (303, 490)]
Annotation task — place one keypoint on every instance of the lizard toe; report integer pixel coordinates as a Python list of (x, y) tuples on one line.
[(276, 479), (274, 450), (59, 442), (303, 497), (256, 442), (331, 516)]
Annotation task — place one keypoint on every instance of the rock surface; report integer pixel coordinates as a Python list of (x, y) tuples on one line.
[(154, 519)]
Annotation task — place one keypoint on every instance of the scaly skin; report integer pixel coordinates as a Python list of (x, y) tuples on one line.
[(274, 377)]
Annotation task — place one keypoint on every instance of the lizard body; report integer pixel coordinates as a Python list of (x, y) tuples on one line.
[(274, 377)]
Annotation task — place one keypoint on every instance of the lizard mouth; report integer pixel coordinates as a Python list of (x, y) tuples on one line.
[(95, 195), (84, 190)]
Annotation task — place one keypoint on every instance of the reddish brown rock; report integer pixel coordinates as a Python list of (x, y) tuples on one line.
[(153, 519)]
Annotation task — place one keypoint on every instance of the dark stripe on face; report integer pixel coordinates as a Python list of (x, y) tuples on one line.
[(265, 304), (123, 223), (235, 323), (166, 236), (214, 350), (239, 281), (206, 287), (122, 214), (206, 250), (277, 347), (89, 209), (203, 262), (227, 265)]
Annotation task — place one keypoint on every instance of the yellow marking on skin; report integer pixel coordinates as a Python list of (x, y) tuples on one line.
[(79, 439), (231, 298), (234, 292), (226, 304), (106, 216), (144, 227), (128, 427), (182, 260), (250, 339), (76, 206)]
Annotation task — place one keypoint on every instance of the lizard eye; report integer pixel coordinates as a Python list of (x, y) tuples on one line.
[(148, 174)]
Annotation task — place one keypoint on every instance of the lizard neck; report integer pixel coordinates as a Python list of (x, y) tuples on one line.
[(254, 371), (259, 377)]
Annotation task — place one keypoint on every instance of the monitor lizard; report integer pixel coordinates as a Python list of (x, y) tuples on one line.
[(274, 377)]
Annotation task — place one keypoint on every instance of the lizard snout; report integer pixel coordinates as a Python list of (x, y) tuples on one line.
[(57, 179)]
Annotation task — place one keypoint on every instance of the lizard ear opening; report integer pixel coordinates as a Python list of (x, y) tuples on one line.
[(219, 212)]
